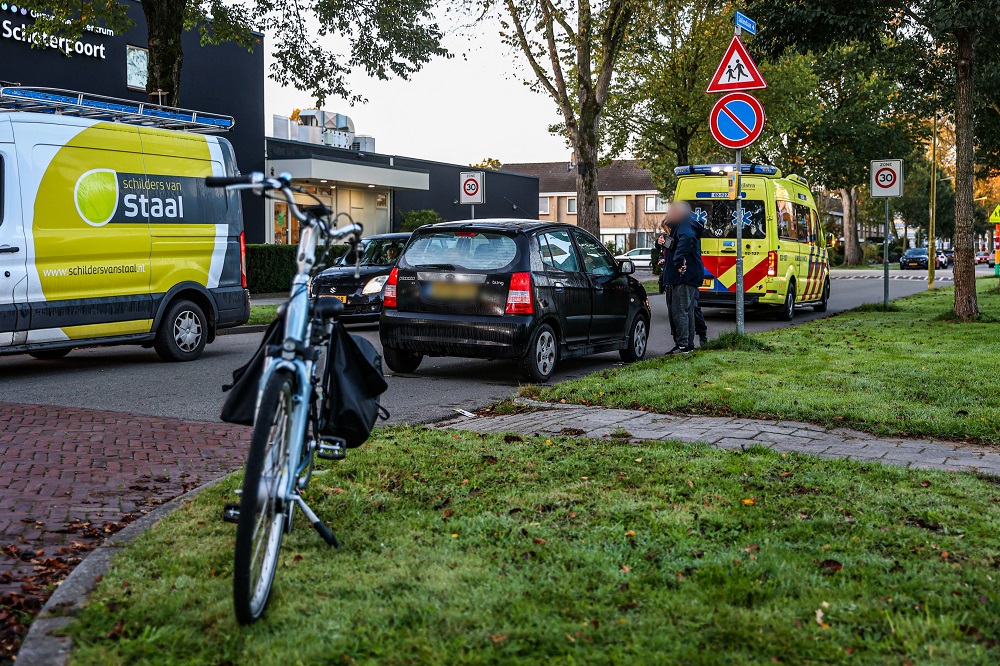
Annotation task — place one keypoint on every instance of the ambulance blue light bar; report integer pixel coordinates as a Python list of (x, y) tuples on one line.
[(723, 169), (111, 109)]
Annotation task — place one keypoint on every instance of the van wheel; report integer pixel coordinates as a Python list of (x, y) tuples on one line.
[(50, 354), (183, 332), (787, 312), (539, 363), (401, 361), (635, 344), (824, 304)]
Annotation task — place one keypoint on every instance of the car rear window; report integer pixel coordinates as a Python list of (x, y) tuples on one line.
[(719, 218), (468, 250)]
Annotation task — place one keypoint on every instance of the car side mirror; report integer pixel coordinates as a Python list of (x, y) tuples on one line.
[(627, 267)]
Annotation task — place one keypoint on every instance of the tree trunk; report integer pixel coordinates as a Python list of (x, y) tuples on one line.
[(966, 302), (165, 26), (852, 248), (588, 215)]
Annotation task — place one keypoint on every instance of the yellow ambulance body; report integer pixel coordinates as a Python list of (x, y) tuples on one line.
[(109, 236), (785, 261)]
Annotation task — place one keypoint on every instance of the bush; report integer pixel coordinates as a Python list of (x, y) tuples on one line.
[(418, 218), (270, 268)]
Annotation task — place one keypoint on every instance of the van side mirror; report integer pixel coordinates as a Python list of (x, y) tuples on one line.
[(627, 267)]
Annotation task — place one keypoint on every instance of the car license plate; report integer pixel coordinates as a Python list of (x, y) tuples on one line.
[(453, 291), (913, 263), (342, 299), (707, 282)]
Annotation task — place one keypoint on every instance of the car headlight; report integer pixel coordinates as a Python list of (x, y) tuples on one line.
[(374, 285)]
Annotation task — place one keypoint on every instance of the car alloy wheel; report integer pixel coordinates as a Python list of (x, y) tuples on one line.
[(640, 338), (545, 353)]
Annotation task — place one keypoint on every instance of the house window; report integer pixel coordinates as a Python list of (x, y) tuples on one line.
[(543, 205), (615, 204), (614, 242), (136, 67), (571, 205), (656, 204)]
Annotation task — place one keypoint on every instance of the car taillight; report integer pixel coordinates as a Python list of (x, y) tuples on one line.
[(772, 264), (243, 259), (389, 293), (519, 300)]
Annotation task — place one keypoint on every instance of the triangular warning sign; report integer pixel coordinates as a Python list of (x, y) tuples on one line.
[(737, 71), (995, 215)]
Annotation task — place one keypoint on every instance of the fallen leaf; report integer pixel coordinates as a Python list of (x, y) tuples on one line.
[(750, 501), (465, 482), (498, 638), (448, 513), (831, 566), (786, 474), (944, 554), (690, 483), (819, 619), (924, 483), (584, 478), (540, 540), (116, 633), (510, 439), (630, 534), (454, 536), (625, 569)]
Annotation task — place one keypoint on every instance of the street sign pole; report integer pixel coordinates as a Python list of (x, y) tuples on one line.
[(739, 244), (885, 260), (886, 183)]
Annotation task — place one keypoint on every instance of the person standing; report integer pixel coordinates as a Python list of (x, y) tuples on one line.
[(683, 272)]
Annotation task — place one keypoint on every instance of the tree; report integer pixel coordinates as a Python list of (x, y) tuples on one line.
[(385, 37), (947, 37), (491, 163), (572, 48)]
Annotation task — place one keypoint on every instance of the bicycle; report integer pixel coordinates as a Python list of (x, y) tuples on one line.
[(287, 424)]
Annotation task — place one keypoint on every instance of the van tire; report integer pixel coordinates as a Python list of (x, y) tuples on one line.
[(183, 332), (539, 363), (51, 354), (637, 341), (824, 302), (787, 312), (401, 361)]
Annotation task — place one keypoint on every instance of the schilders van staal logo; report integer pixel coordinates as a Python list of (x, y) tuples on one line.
[(105, 196)]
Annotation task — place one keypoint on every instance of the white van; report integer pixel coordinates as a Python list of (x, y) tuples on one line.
[(108, 234)]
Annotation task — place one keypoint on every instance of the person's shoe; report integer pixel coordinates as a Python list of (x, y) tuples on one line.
[(687, 350), (673, 351), (702, 340), (678, 351)]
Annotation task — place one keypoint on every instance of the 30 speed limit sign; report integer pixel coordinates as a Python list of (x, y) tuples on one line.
[(887, 178), (471, 187)]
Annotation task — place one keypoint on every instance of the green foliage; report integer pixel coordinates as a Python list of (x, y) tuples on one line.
[(270, 268), (415, 219), (462, 548)]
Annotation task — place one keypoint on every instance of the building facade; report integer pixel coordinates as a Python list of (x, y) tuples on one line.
[(631, 208)]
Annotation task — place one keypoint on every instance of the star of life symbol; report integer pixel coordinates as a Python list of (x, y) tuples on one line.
[(747, 219), (700, 216)]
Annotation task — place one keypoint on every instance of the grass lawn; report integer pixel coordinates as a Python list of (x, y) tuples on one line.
[(466, 548), (912, 371), (262, 314)]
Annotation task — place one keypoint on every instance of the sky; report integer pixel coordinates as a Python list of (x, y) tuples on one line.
[(461, 110)]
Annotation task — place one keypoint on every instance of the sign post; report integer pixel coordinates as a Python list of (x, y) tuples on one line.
[(472, 189), (736, 121), (887, 183)]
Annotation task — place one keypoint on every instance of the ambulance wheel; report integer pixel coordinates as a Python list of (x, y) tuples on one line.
[(824, 304), (787, 312), (183, 332), (50, 354)]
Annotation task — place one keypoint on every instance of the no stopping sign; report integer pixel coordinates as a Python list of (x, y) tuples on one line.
[(887, 178)]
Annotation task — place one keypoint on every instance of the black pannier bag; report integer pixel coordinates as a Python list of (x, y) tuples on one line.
[(241, 403), (353, 383)]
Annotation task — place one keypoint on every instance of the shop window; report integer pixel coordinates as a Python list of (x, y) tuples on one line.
[(280, 223), (136, 67), (382, 200), (543, 205), (615, 204), (571, 205), (656, 204)]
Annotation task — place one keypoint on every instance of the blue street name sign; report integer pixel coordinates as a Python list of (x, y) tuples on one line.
[(744, 22)]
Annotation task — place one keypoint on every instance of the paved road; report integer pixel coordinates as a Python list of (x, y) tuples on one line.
[(131, 379)]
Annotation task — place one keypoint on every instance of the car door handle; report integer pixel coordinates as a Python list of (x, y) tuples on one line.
[(7, 249)]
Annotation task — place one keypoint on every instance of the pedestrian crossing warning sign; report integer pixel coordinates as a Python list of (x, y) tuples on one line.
[(995, 215), (737, 71)]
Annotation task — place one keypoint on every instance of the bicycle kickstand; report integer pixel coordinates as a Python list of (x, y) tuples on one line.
[(323, 530)]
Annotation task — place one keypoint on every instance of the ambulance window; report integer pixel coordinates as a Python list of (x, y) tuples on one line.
[(816, 230), (786, 221), (803, 233), (719, 218)]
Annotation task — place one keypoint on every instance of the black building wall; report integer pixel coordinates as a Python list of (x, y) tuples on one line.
[(508, 195), (225, 79)]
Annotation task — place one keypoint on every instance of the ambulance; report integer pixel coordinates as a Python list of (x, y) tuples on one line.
[(785, 260), (108, 234)]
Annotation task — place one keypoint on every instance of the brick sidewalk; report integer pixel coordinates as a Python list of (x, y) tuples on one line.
[(731, 433), (69, 478)]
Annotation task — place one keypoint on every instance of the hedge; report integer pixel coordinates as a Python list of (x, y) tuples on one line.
[(270, 268)]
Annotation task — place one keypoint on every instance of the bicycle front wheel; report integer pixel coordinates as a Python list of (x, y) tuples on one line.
[(262, 512)]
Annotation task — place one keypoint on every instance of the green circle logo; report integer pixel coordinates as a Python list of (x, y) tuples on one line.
[(96, 196)]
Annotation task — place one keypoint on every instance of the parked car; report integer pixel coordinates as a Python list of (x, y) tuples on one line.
[(950, 253), (641, 256), (361, 296), (942, 260), (915, 257), (983, 257), (530, 291)]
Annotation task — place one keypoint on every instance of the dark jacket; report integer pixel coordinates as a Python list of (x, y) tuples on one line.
[(687, 252)]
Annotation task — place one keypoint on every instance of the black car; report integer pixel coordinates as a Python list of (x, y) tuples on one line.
[(915, 257), (362, 296), (533, 292), (950, 254)]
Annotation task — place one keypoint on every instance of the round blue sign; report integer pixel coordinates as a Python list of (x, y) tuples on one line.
[(737, 120)]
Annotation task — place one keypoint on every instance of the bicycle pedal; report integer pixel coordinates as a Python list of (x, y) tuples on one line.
[(231, 512), (332, 448)]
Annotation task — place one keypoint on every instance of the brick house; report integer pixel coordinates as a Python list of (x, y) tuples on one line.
[(631, 207)]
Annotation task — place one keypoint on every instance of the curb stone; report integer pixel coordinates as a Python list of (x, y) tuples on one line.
[(42, 647)]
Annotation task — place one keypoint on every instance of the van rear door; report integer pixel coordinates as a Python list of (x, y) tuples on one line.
[(14, 312)]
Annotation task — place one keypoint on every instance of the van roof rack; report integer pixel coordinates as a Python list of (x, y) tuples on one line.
[(111, 109)]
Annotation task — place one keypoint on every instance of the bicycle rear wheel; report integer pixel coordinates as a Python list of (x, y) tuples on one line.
[(262, 513)]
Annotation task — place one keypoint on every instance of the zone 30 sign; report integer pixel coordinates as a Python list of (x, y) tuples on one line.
[(887, 178)]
